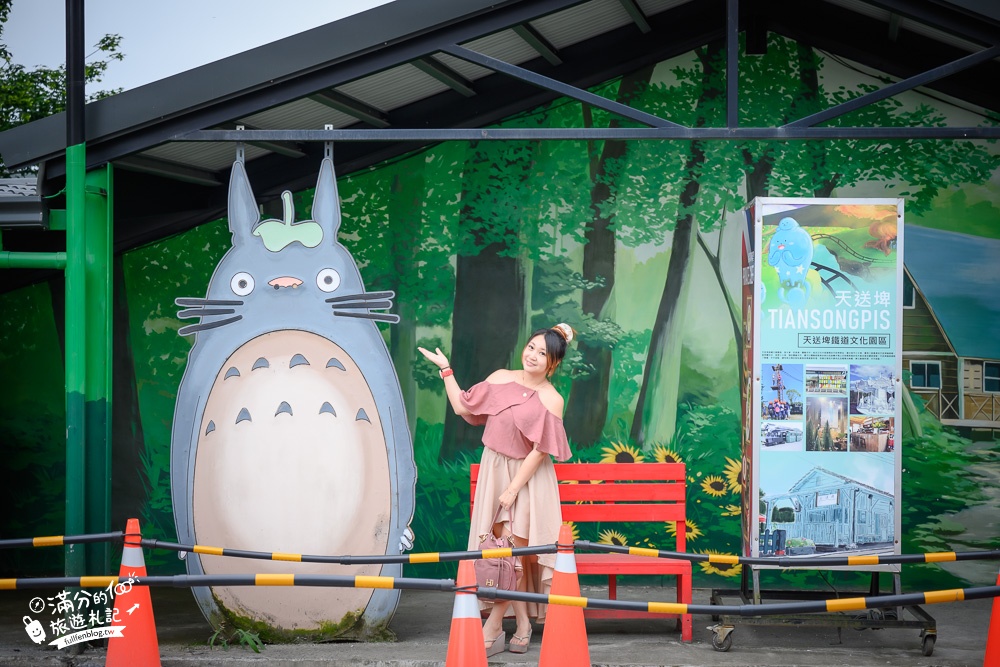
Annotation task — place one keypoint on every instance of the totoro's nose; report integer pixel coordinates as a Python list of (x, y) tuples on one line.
[(284, 281)]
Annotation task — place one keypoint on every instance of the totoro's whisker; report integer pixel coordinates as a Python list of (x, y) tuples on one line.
[(204, 312), (374, 305), (367, 296), (194, 328), (196, 301), (392, 319)]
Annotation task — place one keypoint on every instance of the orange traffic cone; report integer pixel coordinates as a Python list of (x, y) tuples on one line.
[(564, 641), (993, 638), (136, 646), (466, 647)]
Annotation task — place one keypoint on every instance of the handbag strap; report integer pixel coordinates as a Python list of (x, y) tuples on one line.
[(497, 516)]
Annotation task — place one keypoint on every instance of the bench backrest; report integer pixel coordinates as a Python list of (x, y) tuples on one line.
[(619, 492)]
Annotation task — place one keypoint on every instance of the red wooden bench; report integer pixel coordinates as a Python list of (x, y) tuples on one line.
[(625, 492)]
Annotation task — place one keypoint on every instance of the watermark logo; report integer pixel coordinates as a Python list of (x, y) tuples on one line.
[(79, 616)]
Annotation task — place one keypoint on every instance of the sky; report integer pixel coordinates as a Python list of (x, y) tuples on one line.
[(164, 38)]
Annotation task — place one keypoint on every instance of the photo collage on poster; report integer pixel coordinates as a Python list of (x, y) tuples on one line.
[(828, 446), (827, 408)]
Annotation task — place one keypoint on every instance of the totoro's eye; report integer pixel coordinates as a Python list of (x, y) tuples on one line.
[(328, 280), (241, 284)]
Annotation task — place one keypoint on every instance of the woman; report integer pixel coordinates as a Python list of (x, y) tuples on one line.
[(522, 412)]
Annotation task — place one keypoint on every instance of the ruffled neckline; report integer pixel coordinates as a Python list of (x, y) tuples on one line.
[(534, 392)]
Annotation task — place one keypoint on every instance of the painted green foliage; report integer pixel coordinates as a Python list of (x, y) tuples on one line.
[(636, 244)]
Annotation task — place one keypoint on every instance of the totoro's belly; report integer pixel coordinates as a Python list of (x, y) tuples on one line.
[(291, 458)]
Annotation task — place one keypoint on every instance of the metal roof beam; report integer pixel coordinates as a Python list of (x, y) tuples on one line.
[(898, 87), (542, 46), (23, 211), (785, 133), (557, 86), (280, 149), (352, 107), (158, 167), (938, 15), (446, 75), (637, 15)]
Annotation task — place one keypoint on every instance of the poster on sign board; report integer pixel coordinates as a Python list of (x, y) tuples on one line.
[(823, 363)]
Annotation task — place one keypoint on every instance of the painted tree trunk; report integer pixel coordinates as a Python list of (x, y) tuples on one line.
[(587, 408), (405, 215), (489, 283), (127, 444), (656, 406)]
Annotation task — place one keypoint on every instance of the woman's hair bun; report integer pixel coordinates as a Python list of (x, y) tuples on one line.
[(566, 331)]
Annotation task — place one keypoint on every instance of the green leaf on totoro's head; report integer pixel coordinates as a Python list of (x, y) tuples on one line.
[(276, 234)]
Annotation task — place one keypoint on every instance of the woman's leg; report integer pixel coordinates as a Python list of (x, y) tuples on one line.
[(523, 631)]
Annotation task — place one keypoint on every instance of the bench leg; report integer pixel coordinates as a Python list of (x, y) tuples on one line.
[(684, 596), (612, 587)]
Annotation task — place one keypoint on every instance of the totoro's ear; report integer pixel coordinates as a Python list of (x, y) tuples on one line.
[(243, 212), (326, 204)]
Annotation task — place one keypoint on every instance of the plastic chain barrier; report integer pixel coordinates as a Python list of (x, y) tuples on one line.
[(798, 561), (188, 580), (436, 557), (360, 581), (812, 606), (446, 556), (61, 540)]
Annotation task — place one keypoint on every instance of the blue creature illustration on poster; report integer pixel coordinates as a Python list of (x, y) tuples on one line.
[(790, 253)]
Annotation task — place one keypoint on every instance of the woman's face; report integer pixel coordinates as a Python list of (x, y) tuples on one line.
[(535, 359)]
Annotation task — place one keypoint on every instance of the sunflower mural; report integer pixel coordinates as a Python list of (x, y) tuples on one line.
[(715, 485), (721, 569), (612, 537), (620, 452), (691, 530), (663, 454)]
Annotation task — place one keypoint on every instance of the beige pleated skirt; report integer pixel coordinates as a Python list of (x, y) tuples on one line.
[(537, 518)]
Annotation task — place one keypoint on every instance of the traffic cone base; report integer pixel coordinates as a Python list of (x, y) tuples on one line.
[(564, 640), (137, 645), (466, 647), (992, 658)]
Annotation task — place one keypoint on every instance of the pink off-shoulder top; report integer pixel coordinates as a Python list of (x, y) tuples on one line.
[(515, 419)]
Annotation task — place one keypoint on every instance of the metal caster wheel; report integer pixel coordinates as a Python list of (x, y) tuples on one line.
[(927, 645), (722, 637)]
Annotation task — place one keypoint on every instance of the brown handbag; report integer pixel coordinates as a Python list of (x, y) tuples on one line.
[(499, 573)]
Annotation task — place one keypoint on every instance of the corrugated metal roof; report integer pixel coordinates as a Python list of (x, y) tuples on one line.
[(582, 22), (18, 187)]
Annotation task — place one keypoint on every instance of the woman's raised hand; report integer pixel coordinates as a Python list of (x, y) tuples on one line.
[(436, 357)]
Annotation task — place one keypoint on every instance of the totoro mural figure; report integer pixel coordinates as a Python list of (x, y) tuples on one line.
[(289, 432)]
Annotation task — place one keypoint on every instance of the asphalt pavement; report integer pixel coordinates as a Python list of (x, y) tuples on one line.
[(423, 619)]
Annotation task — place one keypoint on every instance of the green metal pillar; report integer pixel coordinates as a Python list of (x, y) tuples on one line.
[(97, 385)]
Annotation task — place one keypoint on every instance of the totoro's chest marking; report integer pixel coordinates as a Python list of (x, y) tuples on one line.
[(291, 434)]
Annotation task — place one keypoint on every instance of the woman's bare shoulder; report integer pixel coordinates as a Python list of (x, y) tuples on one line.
[(552, 400), (500, 376)]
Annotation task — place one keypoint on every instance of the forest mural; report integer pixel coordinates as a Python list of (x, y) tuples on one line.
[(636, 243)]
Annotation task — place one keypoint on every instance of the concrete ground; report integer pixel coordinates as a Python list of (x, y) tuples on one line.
[(423, 619)]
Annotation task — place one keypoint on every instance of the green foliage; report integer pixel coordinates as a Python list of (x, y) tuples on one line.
[(32, 429), (441, 521), (245, 638), (941, 478), (31, 94)]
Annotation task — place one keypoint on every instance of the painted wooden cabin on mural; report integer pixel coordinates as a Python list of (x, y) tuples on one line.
[(950, 316)]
